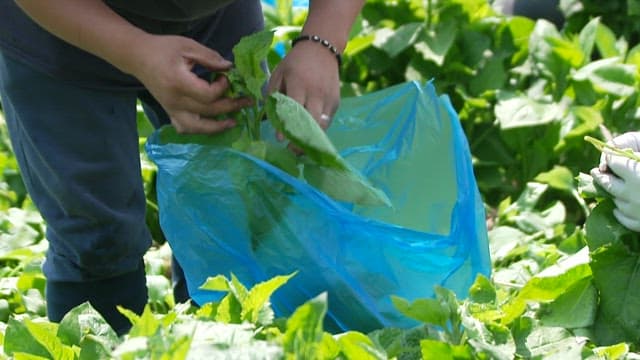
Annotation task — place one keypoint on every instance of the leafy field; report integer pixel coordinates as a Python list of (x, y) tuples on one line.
[(566, 278)]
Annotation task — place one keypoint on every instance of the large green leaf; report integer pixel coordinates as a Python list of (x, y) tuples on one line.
[(505, 242), (575, 308), (430, 311), (84, 320), (606, 42), (358, 44), (545, 47), (520, 28), (216, 283), (356, 345), (609, 76), (549, 285), (249, 55), (550, 343), (616, 273), (585, 120), (559, 178), (242, 304), (590, 189), (94, 347), (482, 290), (17, 231), (259, 295), (433, 349), (435, 44), (326, 170), (402, 38), (304, 335), (144, 325), (568, 51), (345, 185), (602, 228), (490, 338), (296, 124), (168, 135), (633, 56), (36, 338), (18, 339), (523, 111), (491, 76), (211, 340), (587, 37)]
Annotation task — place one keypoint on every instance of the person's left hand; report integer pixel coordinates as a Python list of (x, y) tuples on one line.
[(310, 75), (620, 177)]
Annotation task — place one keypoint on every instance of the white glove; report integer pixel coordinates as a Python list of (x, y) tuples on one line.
[(620, 177)]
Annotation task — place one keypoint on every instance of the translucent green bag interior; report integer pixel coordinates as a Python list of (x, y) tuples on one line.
[(225, 212)]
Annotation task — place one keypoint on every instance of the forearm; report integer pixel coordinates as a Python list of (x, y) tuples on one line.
[(90, 25), (332, 20)]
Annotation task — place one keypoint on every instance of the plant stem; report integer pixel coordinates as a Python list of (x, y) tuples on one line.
[(257, 120), (610, 149)]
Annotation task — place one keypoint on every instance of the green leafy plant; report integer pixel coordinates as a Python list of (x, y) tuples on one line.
[(321, 164), (564, 270)]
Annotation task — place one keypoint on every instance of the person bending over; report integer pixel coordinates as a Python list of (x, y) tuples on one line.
[(71, 73)]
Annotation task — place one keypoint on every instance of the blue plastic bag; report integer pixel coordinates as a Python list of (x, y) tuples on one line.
[(407, 141)]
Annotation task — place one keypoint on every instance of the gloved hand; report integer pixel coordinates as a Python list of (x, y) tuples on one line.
[(620, 177)]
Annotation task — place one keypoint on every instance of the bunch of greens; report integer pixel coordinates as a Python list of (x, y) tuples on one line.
[(321, 165)]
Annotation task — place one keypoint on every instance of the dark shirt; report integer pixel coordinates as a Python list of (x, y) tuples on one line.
[(24, 40), (167, 10)]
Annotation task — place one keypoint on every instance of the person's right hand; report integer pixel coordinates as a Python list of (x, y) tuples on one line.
[(620, 177), (165, 66), (162, 63)]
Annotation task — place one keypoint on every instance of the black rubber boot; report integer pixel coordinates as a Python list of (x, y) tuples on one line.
[(127, 290), (179, 283)]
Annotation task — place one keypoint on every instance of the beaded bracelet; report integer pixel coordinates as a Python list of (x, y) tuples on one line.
[(321, 41)]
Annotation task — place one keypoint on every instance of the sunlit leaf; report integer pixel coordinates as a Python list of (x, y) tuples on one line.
[(249, 55), (559, 178), (616, 273), (575, 308), (304, 332), (429, 311), (259, 295), (345, 185), (297, 125)]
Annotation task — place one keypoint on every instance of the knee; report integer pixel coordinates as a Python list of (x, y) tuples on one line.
[(95, 253)]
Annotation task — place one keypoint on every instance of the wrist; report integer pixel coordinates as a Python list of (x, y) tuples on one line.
[(128, 54), (320, 42)]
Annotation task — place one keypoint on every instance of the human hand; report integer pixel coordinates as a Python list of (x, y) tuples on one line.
[(165, 66), (309, 74), (162, 63), (620, 177)]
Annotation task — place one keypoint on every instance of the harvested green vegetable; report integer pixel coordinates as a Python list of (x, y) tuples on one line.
[(608, 148), (325, 168)]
